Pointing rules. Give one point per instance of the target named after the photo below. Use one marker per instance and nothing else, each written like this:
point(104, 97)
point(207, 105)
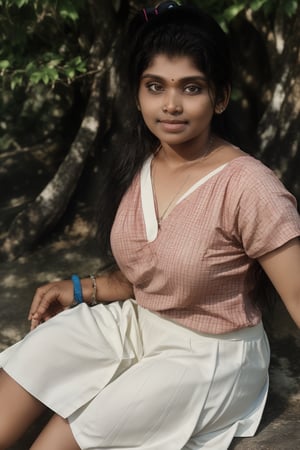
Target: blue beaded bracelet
point(78, 297)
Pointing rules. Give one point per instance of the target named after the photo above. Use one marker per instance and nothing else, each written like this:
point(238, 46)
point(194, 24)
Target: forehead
point(172, 67)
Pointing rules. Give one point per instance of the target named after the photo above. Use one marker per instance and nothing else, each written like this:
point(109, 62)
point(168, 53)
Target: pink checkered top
point(196, 268)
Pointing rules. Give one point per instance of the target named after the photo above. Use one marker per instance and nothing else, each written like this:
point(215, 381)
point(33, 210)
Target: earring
point(220, 109)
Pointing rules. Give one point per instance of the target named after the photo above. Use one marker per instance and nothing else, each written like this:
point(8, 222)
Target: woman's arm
point(111, 286)
point(282, 266)
point(52, 298)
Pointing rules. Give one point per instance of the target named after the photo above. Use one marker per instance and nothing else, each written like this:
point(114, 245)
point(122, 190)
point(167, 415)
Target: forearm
point(283, 267)
point(110, 286)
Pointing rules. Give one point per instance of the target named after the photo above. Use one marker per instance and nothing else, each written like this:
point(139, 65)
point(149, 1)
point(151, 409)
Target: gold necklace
point(180, 189)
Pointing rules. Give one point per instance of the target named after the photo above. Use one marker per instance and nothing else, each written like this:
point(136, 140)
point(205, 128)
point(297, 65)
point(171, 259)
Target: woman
point(173, 354)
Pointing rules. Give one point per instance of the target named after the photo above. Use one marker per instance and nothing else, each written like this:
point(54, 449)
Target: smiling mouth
point(173, 122)
point(172, 126)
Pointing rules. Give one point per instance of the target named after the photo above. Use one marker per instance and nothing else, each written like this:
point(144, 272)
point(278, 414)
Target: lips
point(172, 125)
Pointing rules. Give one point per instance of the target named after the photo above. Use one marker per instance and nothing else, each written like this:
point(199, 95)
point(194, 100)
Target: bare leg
point(56, 435)
point(18, 410)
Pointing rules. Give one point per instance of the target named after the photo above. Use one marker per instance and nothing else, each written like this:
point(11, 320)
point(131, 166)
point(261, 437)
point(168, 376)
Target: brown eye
point(154, 87)
point(193, 89)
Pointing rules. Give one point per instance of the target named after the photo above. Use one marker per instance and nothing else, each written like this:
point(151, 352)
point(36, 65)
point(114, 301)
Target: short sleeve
point(266, 213)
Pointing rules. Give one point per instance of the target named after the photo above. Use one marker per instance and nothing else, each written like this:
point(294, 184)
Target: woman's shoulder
point(244, 167)
point(245, 174)
point(234, 157)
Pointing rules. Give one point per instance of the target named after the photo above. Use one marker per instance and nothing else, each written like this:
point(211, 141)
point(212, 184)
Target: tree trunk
point(45, 211)
point(278, 130)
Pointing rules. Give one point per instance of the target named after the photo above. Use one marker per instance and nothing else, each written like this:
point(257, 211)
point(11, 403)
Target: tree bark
point(278, 129)
point(267, 71)
point(45, 211)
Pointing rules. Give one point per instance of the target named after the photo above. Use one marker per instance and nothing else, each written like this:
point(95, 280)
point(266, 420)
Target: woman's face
point(175, 101)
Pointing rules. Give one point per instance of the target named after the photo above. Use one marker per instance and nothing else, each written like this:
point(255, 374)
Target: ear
point(222, 101)
point(137, 104)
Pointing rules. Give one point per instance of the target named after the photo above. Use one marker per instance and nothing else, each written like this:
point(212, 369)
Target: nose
point(172, 103)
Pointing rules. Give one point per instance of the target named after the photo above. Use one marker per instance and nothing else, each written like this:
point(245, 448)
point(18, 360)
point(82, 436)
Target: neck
point(183, 154)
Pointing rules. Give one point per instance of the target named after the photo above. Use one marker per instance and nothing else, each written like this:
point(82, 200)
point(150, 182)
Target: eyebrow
point(185, 79)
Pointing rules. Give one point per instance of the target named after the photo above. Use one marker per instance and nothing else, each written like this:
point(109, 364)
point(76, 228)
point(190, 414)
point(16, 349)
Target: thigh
point(154, 404)
point(56, 435)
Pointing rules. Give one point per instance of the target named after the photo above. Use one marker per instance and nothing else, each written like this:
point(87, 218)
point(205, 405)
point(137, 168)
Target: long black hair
point(171, 30)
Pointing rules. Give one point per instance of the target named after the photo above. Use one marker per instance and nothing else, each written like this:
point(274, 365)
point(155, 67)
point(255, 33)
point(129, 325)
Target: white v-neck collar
point(148, 204)
point(147, 196)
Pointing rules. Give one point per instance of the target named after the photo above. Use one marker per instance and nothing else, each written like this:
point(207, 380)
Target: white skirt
point(126, 378)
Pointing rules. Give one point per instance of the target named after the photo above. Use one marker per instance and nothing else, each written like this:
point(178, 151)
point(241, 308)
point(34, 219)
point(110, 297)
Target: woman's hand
point(49, 300)
point(55, 297)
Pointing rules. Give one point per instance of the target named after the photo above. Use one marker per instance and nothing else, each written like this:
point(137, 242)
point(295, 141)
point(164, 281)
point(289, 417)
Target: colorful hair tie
point(148, 13)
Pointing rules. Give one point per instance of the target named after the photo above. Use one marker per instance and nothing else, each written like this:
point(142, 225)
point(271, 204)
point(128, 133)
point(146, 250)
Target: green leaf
point(30, 67)
point(258, 4)
point(20, 3)
point(4, 64)
point(46, 75)
point(67, 10)
point(52, 74)
point(290, 7)
point(17, 80)
point(35, 77)
point(81, 69)
point(54, 62)
point(232, 11)
point(70, 72)
point(79, 64)
point(45, 78)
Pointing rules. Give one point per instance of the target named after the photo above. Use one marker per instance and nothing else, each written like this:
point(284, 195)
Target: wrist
point(77, 290)
point(89, 290)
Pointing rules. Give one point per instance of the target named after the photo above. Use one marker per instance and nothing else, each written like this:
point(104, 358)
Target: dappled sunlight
point(45, 277)
point(17, 201)
point(72, 256)
point(14, 281)
point(9, 335)
point(8, 163)
point(79, 228)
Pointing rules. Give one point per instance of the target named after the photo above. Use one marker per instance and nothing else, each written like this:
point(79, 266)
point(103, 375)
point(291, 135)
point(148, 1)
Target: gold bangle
point(94, 293)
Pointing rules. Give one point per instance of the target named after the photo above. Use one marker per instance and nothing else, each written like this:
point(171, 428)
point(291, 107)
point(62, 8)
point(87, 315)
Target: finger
point(36, 320)
point(34, 323)
point(44, 305)
point(39, 294)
